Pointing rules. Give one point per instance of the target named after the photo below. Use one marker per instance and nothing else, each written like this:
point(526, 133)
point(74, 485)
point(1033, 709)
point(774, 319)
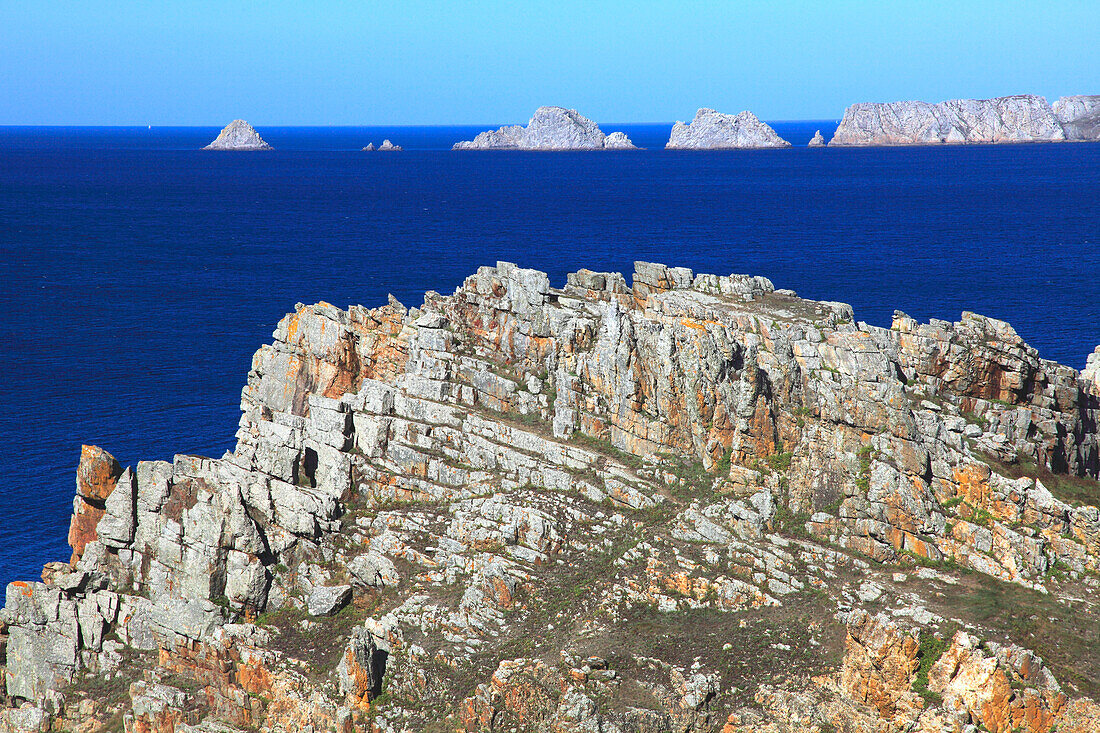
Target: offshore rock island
point(712, 130)
point(550, 128)
point(685, 503)
point(1016, 119)
point(238, 135)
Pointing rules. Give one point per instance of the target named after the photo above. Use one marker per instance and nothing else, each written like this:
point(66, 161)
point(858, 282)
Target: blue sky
point(482, 61)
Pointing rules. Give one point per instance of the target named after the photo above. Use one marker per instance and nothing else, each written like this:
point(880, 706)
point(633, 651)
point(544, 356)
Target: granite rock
point(1079, 116)
point(550, 128)
point(238, 135)
point(712, 130)
point(1016, 119)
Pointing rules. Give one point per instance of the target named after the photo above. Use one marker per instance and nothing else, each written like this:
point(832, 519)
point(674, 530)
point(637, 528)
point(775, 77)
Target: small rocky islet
point(238, 135)
point(1015, 119)
point(550, 128)
point(687, 502)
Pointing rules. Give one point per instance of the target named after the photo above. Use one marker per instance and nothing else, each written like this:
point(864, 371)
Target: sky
point(130, 62)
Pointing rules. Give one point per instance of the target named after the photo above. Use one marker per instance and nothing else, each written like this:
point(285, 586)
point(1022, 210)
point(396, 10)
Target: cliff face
point(712, 130)
point(1022, 118)
point(238, 135)
point(551, 128)
point(1079, 116)
point(690, 503)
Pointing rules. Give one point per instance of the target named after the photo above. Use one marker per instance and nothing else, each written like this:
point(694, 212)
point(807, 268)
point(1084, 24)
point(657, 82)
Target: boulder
point(325, 600)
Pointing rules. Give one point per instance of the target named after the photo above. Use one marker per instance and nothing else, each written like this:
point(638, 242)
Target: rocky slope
point(238, 135)
point(1021, 118)
point(687, 503)
point(550, 128)
point(712, 130)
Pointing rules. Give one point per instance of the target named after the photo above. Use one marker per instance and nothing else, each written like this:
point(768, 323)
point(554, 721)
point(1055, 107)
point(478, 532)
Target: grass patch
point(931, 649)
point(1075, 490)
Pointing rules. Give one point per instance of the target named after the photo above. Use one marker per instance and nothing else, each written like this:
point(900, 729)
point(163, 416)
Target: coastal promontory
point(712, 130)
point(1016, 119)
point(665, 501)
point(550, 128)
point(238, 135)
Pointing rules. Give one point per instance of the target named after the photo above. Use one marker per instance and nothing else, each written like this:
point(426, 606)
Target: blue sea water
point(140, 273)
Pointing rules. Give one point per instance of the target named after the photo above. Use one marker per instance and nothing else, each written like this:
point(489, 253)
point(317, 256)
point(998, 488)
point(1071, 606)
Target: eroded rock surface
point(687, 502)
point(550, 128)
point(238, 135)
point(712, 130)
point(1016, 119)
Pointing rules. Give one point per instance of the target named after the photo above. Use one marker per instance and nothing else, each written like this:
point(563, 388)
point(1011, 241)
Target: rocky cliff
point(712, 130)
point(1079, 116)
point(550, 128)
point(238, 135)
point(1021, 118)
point(685, 503)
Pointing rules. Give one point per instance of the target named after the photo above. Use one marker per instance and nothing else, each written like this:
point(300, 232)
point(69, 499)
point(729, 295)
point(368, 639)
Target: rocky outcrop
point(550, 128)
point(1017, 119)
point(238, 135)
point(386, 146)
point(1079, 116)
point(681, 502)
point(712, 130)
point(817, 141)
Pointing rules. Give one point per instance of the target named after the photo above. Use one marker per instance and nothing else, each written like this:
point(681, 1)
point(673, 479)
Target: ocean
point(141, 273)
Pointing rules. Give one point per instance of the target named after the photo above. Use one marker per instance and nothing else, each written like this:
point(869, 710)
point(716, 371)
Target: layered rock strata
point(550, 128)
point(1021, 118)
point(238, 135)
point(712, 130)
point(691, 502)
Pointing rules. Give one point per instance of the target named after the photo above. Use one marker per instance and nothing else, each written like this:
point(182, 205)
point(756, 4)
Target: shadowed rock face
point(238, 135)
point(1022, 118)
point(1080, 116)
point(551, 128)
point(687, 502)
point(712, 130)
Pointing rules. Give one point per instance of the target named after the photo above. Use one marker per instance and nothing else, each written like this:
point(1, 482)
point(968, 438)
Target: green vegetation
point(1075, 490)
point(863, 479)
point(931, 649)
point(604, 446)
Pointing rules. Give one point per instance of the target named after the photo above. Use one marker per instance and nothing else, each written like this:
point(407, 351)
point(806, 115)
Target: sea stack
point(712, 130)
point(1017, 119)
point(550, 128)
point(817, 141)
point(238, 135)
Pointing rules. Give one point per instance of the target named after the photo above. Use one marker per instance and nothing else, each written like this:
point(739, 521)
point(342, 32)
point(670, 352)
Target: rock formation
point(712, 130)
point(238, 135)
point(1079, 116)
point(385, 146)
point(551, 128)
point(690, 503)
point(817, 141)
point(1021, 118)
